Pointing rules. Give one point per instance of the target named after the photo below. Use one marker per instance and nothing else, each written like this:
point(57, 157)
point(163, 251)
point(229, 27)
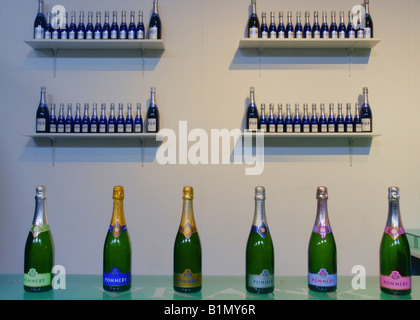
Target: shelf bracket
point(351, 140)
point(350, 56)
point(55, 52)
point(53, 147)
point(142, 54)
point(141, 152)
point(260, 51)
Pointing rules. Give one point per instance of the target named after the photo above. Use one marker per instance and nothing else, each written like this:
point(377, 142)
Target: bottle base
point(322, 289)
point(259, 290)
point(117, 288)
point(396, 292)
point(187, 290)
point(37, 289)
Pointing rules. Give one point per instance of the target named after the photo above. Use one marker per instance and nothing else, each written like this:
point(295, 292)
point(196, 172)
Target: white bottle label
point(140, 34)
point(80, 35)
point(97, 35)
point(131, 34)
point(94, 128)
point(153, 33)
point(151, 125)
point(317, 34)
point(273, 34)
point(89, 35)
point(342, 35)
point(366, 125)
point(120, 128)
point(68, 128)
point(123, 34)
point(352, 34)
point(72, 35)
point(314, 128)
point(368, 34)
point(53, 128)
point(64, 34)
point(41, 124)
point(105, 34)
point(60, 128)
point(334, 34)
point(306, 128)
point(128, 128)
point(358, 127)
point(253, 33)
point(85, 128)
point(272, 128)
point(299, 34)
point(47, 34)
point(340, 128)
point(113, 34)
point(137, 128)
point(264, 34)
point(324, 128)
point(263, 280)
point(39, 32)
point(76, 128)
point(111, 128)
point(253, 124)
point(102, 128)
point(289, 128)
point(297, 128)
point(349, 128)
point(281, 34)
point(331, 128)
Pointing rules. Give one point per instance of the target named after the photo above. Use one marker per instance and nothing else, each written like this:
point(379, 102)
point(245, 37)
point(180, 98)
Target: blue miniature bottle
point(138, 122)
point(322, 123)
point(94, 121)
point(61, 121)
point(342, 30)
point(272, 30)
point(316, 29)
point(340, 126)
point(56, 28)
point(106, 29)
point(314, 119)
point(112, 121)
point(64, 31)
point(298, 27)
point(114, 31)
point(132, 30)
point(120, 119)
point(288, 123)
point(252, 117)
point(89, 27)
point(129, 123)
point(281, 30)
point(280, 120)
point(123, 27)
point(77, 122)
point(153, 113)
point(98, 27)
point(73, 27)
point(264, 27)
point(357, 122)
point(306, 124)
point(42, 114)
point(333, 27)
point(263, 119)
point(48, 28)
point(140, 26)
point(103, 121)
point(331, 119)
point(271, 126)
point(348, 122)
point(324, 27)
point(297, 122)
point(53, 119)
point(360, 32)
point(307, 29)
point(86, 119)
point(350, 31)
point(40, 22)
point(81, 30)
point(289, 27)
point(68, 128)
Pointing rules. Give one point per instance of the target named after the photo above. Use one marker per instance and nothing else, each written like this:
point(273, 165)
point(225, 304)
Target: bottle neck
point(394, 215)
point(152, 98)
point(187, 225)
point(322, 214)
point(155, 7)
point(259, 213)
point(365, 97)
point(254, 8)
point(42, 99)
point(40, 216)
point(41, 7)
point(118, 213)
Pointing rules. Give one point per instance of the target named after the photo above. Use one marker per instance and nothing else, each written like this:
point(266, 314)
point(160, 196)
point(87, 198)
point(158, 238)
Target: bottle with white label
point(129, 119)
point(48, 28)
point(132, 26)
point(357, 122)
point(155, 25)
point(40, 22)
point(298, 27)
point(94, 121)
point(253, 22)
point(42, 114)
point(271, 126)
point(272, 30)
point(368, 21)
point(289, 27)
point(81, 30)
point(153, 113)
point(322, 251)
point(395, 258)
point(252, 117)
point(339, 125)
point(366, 112)
point(307, 29)
point(98, 27)
point(314, 119)
point(342, 26)
point(331, 119)
point(112, 121)
point(86, 119)
point(316, 29)
point(360, 32)
point(140, 26)
point(106, 29)
point(114, 30)
point(68, 127)
point(264, 27)
point(281, 30)
point(61, 121)
point(77, 123)
point(324, 27)
point(351, 31)
point(123, 27)
point(64, 32)
point(53, 119)
point(263, 119)
point(103, 121)
point(120, 119)
point(138, 122)
point(348, 122)
point(306, 126)
point(297, 122)
point(322, 124)
point(280, 120)
point(259, 270)
point(333, 26)
point(288, 123)
point(73, 27)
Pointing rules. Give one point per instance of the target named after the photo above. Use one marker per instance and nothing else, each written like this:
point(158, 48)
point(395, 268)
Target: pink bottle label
point(394, 232)
point(395, 281)
point(322, 279)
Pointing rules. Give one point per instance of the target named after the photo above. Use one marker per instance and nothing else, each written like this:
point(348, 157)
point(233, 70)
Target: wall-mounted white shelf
point(94, 139)
point(310, 135)
point(59, 44)
point(349, 44)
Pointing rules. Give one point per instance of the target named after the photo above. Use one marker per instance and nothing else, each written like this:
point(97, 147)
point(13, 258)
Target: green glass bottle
point(259, 273)
point(395, 258)
point(322, 252)
point(39, 248)
point(187, 249)
point(117, 248)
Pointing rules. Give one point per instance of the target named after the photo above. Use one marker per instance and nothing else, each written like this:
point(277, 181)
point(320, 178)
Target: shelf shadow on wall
point(90, 150)
point(292, 59)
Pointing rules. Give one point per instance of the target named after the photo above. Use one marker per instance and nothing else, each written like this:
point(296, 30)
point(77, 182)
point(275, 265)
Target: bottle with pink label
point(322, 251)
point(395, 259)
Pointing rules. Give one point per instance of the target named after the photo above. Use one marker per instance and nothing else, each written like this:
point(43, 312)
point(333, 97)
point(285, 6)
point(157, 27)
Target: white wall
point(204, 79)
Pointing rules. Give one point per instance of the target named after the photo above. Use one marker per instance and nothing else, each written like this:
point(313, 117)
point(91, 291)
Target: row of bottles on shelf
point(48, 122)
point(56, 25)
point(306, 30)
point(394, 257)
point(362, 121)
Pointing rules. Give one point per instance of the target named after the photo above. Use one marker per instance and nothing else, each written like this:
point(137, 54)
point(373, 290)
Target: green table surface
point(150, 287)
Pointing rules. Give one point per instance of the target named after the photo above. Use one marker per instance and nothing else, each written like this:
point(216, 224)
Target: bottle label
point(72, 35)
point(102, 128)
point(322, 279)
point(366, 125)
point(151, 125)
point(253, 32)
point(262, 229)
point(261, 281)
point(394, 232)
point(41, 124)
point(264, 34)
point(117, 229)
point(340, 128)
point(153, 33)
point(105, 34)
point(306, 128)
point(140, 34)
point(322, 230)
point(314, 128)
point(35, 279)
point(37, 230)
point(76, 128)
point(272, 128)
point(114, 34)
point(97, 35)
point(131, 34)
point(187, 230)
point(93, 128)
point(253, 124)
point(317, 34)
point(39, 32)
point(60, 128)
point(123, 34)
point(120, 128)
point(289, 128)
point(368, 33)
point(395, 281)
point(116, 278)
point(187, 279)
point(53, 128)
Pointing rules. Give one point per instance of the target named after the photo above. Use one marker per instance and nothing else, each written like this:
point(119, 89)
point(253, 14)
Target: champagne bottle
point(39, 248)
point(263, 119)
point(366, 112)
point(40, 22)
point(322, 252)
point(187, 249)
point(252, 117)
point(395, 274)
point(117, 248)
point(264, 27)
point(259, 273)
point(42, 114)
point(368, 21)
point(155, 25)
point(152, 113)
point(53, 119)
point(253, 22)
